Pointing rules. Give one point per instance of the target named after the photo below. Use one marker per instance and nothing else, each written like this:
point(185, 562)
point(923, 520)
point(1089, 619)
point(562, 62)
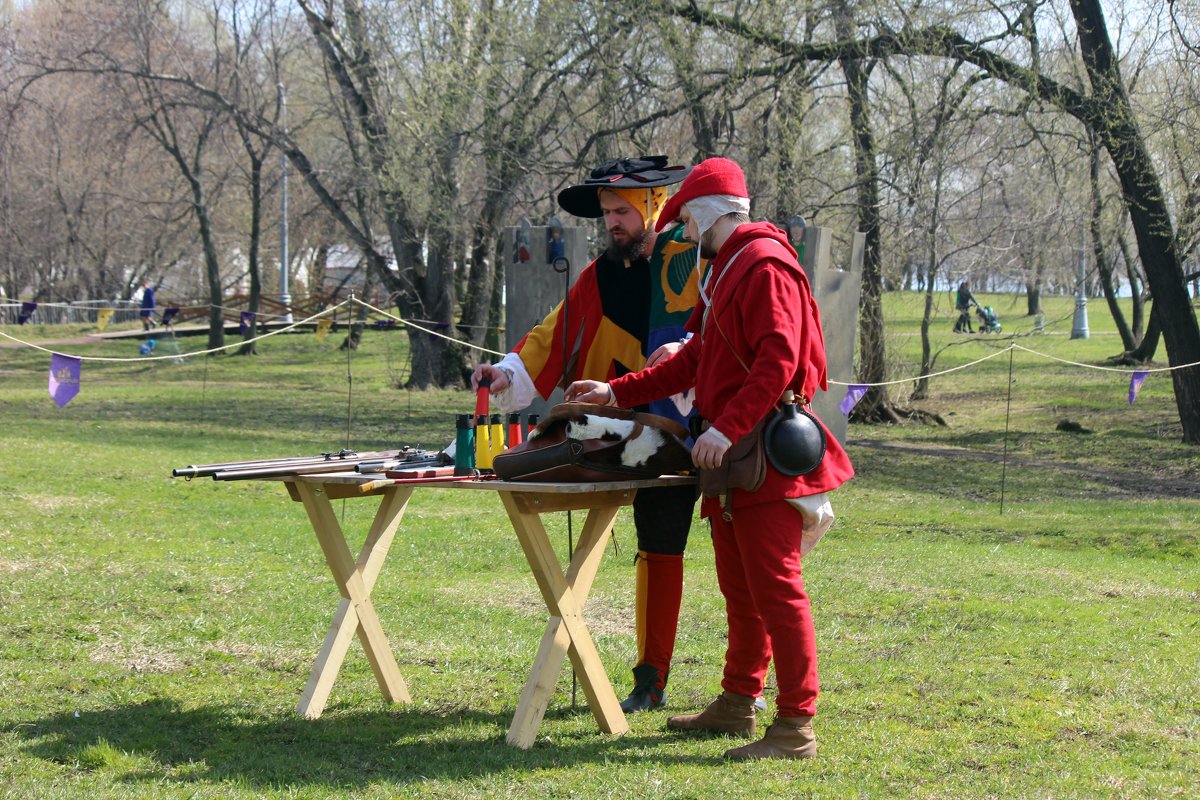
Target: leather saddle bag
point(582, 442)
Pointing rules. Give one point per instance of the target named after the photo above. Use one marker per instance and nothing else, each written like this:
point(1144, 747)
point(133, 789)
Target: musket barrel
point(344, 459)
point(204, 470)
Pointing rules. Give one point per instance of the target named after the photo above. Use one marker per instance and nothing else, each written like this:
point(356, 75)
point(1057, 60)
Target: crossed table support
point(565, 594)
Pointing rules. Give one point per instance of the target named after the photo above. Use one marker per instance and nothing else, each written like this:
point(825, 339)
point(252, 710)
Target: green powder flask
point(464, 445)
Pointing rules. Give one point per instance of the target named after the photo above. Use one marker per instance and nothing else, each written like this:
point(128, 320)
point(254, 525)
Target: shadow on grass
point(217, 743)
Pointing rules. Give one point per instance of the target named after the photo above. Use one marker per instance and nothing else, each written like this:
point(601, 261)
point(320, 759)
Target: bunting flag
point(169, 314)
point(245, 323)
point(1135, 384)
point(64, 378)
point(103, 317)
point(27, 310)
point(853, 394)
point(323, 326)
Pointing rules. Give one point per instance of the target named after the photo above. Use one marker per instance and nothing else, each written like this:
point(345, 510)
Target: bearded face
point(708, 247)
point(629, 249)
point(627, 233)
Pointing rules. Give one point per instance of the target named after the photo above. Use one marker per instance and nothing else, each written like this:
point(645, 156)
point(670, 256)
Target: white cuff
point(520, 391)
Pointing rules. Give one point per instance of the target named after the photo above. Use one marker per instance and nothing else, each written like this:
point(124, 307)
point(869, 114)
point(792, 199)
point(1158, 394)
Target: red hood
point(815, 349)
point(754, 230)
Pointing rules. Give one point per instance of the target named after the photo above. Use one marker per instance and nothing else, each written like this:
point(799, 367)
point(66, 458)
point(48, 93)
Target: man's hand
point(709, 450)
point(663, 352)
point(589, 392)
point(498, 378)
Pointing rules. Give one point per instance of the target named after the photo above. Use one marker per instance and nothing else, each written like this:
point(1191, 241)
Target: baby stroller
point(988, 321)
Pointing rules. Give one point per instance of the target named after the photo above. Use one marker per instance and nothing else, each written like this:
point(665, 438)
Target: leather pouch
point(744, 466)
point(581, 442)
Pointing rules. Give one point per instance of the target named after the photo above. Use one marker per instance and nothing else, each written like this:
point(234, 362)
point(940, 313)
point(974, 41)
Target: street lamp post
point(1079, 326)
point(284, 297)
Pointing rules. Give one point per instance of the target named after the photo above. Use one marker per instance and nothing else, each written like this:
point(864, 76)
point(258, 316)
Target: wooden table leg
point(566, 633)
point(355, 580)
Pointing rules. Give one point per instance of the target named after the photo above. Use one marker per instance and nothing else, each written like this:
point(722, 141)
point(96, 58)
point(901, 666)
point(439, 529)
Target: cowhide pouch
point(581, 442)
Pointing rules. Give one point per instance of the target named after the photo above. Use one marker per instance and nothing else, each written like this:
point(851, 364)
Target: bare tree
point(1106, 109)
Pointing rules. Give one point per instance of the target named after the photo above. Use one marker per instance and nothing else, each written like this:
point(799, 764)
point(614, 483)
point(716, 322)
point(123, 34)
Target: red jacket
point(763, 306)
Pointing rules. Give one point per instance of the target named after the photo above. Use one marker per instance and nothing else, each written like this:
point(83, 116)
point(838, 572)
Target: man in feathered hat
point(627, 309)
point(758, 334)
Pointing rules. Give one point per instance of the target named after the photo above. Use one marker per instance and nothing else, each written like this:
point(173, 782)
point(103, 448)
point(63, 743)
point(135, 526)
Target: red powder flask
point(515, 435)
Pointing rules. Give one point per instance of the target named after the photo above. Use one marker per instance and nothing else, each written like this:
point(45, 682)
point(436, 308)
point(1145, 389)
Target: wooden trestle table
point(564, 593)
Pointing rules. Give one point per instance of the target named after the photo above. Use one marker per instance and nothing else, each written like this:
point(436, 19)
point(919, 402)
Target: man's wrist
point(720, 436)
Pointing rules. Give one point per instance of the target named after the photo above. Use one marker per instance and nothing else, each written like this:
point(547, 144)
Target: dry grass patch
point(139, 657)
point(49, 503)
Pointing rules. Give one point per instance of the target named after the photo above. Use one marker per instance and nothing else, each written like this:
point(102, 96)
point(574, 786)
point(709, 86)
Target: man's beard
point(706, 245)
point(632, 250)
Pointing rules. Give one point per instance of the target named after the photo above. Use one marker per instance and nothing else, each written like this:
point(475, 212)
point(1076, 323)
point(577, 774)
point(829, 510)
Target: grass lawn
point(1003, 610)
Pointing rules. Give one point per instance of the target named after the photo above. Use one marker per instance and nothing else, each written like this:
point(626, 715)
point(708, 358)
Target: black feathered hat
point(646, 172)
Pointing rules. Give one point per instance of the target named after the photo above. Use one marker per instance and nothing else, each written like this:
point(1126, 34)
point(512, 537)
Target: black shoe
point(646, 693)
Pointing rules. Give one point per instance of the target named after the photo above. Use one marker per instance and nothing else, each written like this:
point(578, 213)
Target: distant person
point(147, 312)
point(962, 304)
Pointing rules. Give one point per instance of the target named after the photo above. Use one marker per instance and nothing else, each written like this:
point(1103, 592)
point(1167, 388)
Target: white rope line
point(1015, 346)
point(365, 304)
point(930, 375)
point(353, 299)
point(181, 355)
point(1123, 370)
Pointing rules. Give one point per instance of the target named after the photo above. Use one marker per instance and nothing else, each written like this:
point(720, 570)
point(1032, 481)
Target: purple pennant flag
point(853, 395)
point(27, 310)
point(64, 378)
point(247, 321)
point(1135, 384)
point(169, 314)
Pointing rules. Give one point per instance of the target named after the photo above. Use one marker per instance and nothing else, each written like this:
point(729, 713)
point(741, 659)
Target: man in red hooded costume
point(759, 335)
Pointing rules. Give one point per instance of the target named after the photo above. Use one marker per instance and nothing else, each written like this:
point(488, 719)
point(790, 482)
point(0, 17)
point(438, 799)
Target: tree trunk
point(248, 349)
point(494, 340)
point(872, 366)
point(1148, 210)
point(1103, 265)
point(1033, 298)
point(921, 391)
point(1135, 287)
point(359, 315)
point(1144, 352)
point(478, 290)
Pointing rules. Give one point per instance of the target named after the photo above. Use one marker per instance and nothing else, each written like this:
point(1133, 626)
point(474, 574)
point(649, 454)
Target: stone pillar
point(836, 290)
point(532, 289)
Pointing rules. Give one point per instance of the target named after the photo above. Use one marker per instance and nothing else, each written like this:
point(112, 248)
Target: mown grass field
point(155, 633)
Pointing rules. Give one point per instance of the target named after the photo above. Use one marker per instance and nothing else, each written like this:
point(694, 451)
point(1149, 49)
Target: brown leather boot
point(729, 713)
point(786, 737)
